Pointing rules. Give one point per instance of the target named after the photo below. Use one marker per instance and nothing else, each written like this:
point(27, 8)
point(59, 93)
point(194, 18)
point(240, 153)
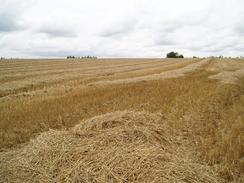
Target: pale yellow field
point(27, 76)
point(122, 120)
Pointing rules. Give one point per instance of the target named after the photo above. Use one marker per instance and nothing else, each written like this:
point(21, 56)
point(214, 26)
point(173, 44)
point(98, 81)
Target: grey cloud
point(11, 12)
point(240, 49)
point(131, 29)
point(59, 52)
point(164, 41)
point(174, 31)
point(58, 32)
point(120, 28)
point(8, 21)
point(239, 29)
point(186, 20)
point(220, 48)
point(213, 49)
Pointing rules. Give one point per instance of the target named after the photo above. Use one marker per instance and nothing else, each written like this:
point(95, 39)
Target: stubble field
point(122, 120)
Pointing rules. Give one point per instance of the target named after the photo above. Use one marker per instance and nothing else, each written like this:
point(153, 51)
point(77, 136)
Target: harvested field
point(20, 79)
point(124, 120)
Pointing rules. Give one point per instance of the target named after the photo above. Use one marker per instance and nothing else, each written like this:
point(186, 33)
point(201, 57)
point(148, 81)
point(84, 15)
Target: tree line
point(82, 57)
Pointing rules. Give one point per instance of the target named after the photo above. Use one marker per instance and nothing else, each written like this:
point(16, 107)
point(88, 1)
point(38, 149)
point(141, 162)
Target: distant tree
point(174, 55)
point(180, 56)
point(70, 57)
point(81, 57)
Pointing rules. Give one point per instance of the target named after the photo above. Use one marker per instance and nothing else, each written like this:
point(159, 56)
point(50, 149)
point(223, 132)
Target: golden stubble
point(200, 114)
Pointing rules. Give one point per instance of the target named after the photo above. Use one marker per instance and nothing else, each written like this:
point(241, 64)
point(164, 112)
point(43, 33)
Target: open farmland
point(122, 120)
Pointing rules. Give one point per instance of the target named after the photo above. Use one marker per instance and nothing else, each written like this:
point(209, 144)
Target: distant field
point(150, 114)
point(26, 76)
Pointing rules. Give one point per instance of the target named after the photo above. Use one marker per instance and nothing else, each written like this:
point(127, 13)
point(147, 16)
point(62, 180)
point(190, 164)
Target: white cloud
point(122, 28)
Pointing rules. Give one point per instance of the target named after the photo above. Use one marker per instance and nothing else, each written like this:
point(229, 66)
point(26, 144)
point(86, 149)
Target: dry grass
point(116, 147)
point(228, 72)
point(229, 76)
point(201, 118)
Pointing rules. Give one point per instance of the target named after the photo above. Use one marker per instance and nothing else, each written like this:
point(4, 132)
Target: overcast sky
point(121, 28)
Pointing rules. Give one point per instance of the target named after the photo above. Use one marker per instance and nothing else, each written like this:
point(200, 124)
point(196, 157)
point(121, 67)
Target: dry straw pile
point(115, 147)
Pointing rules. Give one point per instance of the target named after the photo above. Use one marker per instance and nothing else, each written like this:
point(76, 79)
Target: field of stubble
point(122, 120)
